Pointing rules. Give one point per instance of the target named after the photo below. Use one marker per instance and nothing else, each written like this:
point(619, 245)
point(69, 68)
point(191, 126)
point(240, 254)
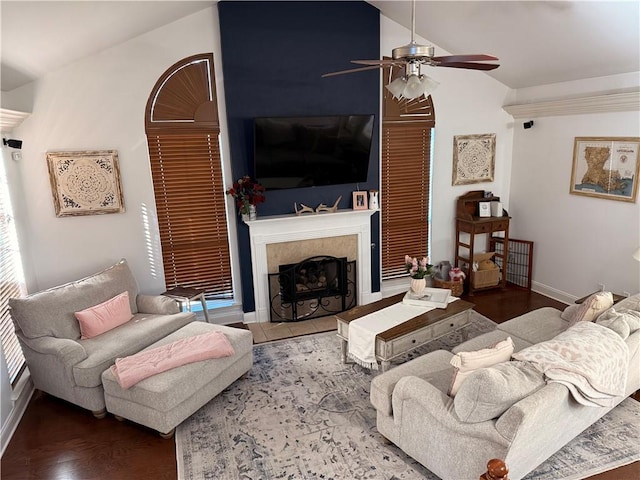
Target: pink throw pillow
point(105, 316)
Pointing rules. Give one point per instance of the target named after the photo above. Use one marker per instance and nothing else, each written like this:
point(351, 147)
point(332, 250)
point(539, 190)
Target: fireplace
point(276, 236)
point(315, 287)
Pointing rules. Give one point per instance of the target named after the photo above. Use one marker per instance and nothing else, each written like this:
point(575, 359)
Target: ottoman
point(165, 400)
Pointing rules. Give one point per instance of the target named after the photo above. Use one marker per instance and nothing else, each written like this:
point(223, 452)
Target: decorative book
point(429, 297)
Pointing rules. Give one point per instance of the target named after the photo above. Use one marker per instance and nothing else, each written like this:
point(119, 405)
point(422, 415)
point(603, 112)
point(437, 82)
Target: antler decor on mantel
point(320, 208)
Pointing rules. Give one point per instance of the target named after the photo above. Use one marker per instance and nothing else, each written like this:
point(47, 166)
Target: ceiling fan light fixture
point(397, 87)
point(413, 88)
point(428, 85)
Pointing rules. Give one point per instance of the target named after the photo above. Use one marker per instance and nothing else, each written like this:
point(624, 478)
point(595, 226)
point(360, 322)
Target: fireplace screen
point(315, 287)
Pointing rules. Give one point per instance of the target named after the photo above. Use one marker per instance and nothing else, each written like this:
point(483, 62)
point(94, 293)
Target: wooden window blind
point(11, 280)
point(406, 178)
point(189, 193)
point(184, 151)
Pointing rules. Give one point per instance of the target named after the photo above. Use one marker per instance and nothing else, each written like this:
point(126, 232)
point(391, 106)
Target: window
point(183, 138)
point(11, 279)
point(406, 178)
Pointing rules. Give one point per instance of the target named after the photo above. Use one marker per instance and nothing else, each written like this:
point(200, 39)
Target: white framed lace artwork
point(473, 158)
point(85, 183)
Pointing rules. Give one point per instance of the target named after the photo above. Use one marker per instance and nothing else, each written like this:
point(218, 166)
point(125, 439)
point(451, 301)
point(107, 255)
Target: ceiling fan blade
point(379, 62)
point(464, 58)
point(352, 70)
point(469, 65)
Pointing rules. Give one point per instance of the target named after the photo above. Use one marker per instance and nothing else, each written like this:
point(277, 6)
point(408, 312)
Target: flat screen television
point(297, 152)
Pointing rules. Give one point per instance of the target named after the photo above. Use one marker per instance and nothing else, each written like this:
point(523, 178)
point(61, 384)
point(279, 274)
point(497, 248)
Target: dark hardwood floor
point(56, 440)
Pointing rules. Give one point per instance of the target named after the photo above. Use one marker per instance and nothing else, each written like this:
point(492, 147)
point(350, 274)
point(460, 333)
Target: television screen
point(296, 152)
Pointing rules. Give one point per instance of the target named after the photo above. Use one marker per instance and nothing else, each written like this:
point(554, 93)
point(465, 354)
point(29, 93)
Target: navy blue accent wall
point(273, 56)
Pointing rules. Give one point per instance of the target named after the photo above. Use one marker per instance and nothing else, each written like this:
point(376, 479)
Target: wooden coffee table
point(409, 335)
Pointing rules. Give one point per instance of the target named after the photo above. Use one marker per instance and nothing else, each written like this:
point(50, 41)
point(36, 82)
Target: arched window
point(406, 177)
point(181, 121)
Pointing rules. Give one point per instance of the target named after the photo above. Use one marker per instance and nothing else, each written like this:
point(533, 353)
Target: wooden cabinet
point(469, 224)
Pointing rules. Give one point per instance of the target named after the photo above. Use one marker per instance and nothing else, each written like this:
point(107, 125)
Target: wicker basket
point(457, 288)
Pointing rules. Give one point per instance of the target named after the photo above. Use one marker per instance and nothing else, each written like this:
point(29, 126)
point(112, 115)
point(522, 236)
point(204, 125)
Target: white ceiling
point(41, 36)
point(538, 42)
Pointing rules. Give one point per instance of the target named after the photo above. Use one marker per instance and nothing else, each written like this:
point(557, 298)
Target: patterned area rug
point(301, 414)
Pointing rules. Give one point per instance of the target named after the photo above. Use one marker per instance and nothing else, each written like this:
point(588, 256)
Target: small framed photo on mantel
point(360, 201)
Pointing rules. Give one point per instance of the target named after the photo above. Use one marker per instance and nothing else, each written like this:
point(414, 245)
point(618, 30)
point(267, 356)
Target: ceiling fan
point(413, 57)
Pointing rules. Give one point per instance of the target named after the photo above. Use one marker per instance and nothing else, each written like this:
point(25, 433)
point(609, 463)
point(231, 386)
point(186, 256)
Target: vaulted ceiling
point(538, 42)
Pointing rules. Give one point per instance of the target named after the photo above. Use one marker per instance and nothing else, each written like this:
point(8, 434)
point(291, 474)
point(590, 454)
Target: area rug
point(302, 414)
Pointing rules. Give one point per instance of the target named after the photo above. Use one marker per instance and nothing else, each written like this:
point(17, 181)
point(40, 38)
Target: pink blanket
point(132, 369)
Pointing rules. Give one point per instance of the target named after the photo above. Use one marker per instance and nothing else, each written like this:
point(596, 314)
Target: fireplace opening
point(315, 287)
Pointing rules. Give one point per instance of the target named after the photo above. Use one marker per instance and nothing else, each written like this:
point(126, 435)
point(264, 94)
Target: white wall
point(579, 241)
point(466, 102)
point(94, 104)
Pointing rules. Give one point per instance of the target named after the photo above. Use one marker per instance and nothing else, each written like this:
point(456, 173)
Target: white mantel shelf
point(309, 218)
point(289, 228)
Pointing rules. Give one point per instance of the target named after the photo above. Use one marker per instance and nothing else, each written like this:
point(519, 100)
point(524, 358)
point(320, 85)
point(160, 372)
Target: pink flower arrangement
point(418, 268)
point(246, 192)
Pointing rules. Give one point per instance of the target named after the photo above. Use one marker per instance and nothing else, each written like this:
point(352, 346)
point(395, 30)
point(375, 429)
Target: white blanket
point(363, 331)
point(589, 359)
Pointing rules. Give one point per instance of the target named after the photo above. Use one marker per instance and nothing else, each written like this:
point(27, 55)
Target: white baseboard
point(225, 315)
point(554, 293)
point(21, 395)
point(250, 317)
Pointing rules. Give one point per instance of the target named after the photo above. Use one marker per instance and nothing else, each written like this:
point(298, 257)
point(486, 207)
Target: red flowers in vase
point(247, 192)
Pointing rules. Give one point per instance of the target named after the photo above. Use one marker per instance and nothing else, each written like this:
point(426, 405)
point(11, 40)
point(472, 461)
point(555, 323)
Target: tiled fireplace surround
point(285, 239)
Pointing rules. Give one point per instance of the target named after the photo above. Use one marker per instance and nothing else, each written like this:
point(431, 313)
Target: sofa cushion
point(465, 363)
point(138, 333)
point(489, 392)
point(588, 310)
point(632, 303)
point(434, 367)
point(51, 312)
point(104, 316)
point(536, 326)
point(623, 321)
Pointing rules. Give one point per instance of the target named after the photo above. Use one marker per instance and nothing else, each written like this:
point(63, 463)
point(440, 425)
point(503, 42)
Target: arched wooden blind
point(182, 128)
point(406, 172)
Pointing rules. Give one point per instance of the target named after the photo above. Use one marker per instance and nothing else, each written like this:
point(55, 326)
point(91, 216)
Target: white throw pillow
point(465, 363)
point(588, 310)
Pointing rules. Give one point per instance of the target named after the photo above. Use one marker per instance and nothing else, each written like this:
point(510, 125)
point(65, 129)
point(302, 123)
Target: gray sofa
point(64, 365)
point(415, 412)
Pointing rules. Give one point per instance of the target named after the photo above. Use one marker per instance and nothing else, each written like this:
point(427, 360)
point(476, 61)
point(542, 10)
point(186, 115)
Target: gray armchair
point(66, 366)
